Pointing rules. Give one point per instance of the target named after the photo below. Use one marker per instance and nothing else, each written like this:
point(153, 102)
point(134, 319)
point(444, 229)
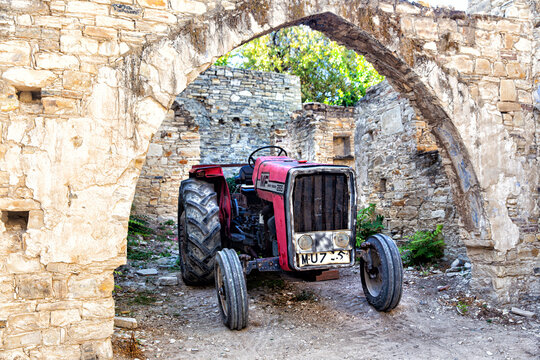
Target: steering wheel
point(251, 159)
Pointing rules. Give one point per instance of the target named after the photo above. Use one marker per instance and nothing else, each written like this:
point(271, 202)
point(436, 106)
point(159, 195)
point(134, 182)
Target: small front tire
point(231, 289)
point(382, 275)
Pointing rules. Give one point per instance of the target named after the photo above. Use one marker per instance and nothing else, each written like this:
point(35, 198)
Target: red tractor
point(288, 215)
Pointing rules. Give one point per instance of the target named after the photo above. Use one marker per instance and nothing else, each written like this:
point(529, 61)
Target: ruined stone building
point(223, 116)
point(227, 113)
point(84, 86)
point(399, 168)
point(397, 161)
point(322, 133)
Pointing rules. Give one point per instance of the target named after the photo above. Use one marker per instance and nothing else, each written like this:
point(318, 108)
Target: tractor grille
point(321, 202)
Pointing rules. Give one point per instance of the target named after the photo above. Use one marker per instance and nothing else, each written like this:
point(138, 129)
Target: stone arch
point(380, 37)
point(417, 49)
point(406, 81)
point(401, 40)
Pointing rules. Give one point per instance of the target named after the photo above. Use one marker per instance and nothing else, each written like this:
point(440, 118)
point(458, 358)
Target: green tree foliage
point(329, 73)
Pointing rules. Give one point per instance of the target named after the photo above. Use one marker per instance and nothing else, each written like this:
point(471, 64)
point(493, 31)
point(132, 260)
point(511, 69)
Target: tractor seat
point(245, 176)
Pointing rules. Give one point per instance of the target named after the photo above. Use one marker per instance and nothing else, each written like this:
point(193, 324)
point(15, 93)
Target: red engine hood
point(269, 177)
point(277, 167)
point(270, 174)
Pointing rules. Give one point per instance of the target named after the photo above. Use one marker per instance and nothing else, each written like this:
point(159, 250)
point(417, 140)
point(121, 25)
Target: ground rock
point(147, 272)
point(168, 281)
point(125, 322)
point(522, 312)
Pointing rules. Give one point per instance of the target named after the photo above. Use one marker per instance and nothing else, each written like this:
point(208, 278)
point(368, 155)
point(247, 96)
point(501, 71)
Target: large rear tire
point(231, 290)
point(383, 280)
point(199, 231)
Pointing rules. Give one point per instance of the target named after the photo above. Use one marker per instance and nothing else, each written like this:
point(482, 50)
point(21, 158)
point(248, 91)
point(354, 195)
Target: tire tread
point(391, 290)
point(236, 317)
point(201, 239)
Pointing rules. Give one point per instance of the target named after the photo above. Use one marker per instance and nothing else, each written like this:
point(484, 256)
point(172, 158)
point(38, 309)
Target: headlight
point(305, 242)
point(341, 240)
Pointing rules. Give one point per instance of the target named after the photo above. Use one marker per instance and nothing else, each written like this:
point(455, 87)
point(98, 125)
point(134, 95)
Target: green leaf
point(137, 225)
point(368, 223)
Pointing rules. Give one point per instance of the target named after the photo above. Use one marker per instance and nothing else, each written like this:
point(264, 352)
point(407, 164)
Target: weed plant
point(423, 247)
point(368, 223)
point(139, 226)
point(136, 254)
point(233, 187)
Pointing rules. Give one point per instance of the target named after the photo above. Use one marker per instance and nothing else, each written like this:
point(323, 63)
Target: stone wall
point(398, 164)
point(220, 118)
point(174, 149)
point(495, 7)
point(399, 151)
point(399, 168)
point(533, 285)
point(322, 133)
point(506, 8)
point(241, 110)
point(525, 255)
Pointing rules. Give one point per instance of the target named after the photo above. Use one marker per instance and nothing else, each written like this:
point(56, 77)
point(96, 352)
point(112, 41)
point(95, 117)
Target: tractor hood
point(270, 173)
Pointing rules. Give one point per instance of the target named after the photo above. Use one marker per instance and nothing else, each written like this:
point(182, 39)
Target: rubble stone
point(508, 90)
point(168, 281)
point(28, 79)
point(522, 312)
point(65, 317)
point(15, 53)
point(147, 272)
point(125, 322)
point(52, 61)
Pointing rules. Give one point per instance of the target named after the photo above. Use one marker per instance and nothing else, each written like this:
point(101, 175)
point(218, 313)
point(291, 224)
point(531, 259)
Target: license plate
point(325, 258)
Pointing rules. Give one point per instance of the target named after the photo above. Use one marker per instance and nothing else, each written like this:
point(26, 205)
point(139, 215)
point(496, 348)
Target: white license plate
point(325, 258)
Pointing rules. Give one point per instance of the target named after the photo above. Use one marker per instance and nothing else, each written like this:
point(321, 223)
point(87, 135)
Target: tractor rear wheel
point(231, 290)
point(199, 231)
point(381, 271)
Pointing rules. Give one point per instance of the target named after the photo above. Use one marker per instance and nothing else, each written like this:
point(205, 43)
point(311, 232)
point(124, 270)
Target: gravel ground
point(290, 318)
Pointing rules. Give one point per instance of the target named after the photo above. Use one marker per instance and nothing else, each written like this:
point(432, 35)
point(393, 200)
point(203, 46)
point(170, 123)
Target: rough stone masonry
point(399, 168)
point(321, 133)
point(220, 118)
point(85, 85)
point(235, 111)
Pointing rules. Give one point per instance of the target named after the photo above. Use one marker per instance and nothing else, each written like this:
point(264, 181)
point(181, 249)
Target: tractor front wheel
point(231, 290)
point(199, 231)
point(381, 271)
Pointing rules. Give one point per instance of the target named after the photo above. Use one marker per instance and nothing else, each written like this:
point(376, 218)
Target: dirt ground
point(291, 318)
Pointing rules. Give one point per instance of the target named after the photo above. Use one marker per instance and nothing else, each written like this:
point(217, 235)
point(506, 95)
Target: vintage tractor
point(288, 215)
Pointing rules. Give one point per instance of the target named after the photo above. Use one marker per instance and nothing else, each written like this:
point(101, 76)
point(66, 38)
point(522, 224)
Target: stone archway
point(403, 49)
point(106, 75)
